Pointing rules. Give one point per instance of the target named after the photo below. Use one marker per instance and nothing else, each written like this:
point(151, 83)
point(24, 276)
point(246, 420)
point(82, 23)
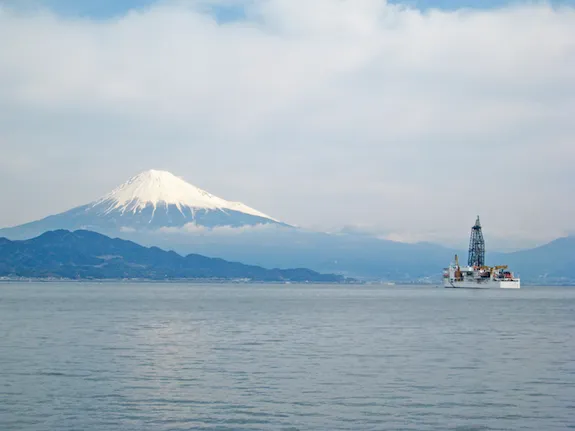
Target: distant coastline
point(51, 280)
point(48, 280)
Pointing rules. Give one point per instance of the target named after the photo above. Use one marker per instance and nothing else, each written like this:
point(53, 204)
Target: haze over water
point(240, 357)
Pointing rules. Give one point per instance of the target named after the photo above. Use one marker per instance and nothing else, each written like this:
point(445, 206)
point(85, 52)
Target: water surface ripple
point(224, 357)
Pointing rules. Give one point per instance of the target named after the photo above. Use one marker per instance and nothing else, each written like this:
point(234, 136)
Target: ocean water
point(285, 357)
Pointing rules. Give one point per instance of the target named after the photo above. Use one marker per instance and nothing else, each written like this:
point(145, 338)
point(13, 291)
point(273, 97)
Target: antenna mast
point(476, 255)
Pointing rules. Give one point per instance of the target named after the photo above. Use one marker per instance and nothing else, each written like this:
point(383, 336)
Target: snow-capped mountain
point(148, 201)
point(160, 190)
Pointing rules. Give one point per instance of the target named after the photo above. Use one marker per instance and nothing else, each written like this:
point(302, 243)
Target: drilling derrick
point(476, 246)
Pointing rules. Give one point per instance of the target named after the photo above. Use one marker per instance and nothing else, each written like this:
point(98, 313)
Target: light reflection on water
point(167, 357)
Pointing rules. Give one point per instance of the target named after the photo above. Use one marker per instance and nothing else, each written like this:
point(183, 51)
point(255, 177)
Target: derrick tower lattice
point(476, 256)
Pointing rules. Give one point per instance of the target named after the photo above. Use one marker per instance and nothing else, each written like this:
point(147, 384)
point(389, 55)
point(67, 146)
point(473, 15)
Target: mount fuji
point(149, 201)
point(157, 208)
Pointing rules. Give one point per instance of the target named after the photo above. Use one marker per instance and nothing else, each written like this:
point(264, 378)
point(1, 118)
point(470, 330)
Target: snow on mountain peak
point(155, 187)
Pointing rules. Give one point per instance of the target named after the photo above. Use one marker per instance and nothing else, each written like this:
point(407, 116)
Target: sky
point(401, 119)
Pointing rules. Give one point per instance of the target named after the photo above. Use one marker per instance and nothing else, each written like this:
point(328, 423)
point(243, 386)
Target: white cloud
point(126, 229)
point(194, 229)
point(316, 112)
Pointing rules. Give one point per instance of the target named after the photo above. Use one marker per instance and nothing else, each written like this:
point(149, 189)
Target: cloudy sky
point(405, 119)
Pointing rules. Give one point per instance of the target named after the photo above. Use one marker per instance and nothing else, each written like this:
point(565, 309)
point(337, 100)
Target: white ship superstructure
point(476, 275)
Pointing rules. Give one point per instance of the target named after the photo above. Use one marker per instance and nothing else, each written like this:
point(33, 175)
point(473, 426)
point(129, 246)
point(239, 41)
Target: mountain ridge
point(85, 254)
point(150, 200)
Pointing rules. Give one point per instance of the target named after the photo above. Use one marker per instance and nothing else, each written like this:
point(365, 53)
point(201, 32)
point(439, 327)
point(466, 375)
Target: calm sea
point(224, 357)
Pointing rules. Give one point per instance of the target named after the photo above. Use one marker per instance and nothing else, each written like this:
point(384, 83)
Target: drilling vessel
point(476, 275)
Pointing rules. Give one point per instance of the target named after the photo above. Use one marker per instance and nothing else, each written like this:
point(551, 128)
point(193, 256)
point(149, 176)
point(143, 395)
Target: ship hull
point(487, 284)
